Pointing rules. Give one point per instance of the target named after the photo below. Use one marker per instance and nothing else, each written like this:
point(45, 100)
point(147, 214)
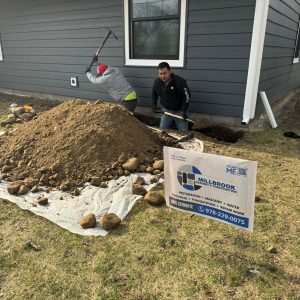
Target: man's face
point(164, 74)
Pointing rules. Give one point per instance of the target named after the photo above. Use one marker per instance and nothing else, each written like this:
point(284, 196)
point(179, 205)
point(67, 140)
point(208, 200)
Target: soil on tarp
point(75, 142)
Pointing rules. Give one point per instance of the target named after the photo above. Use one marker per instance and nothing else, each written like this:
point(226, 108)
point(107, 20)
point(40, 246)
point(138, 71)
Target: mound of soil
point(75, 142)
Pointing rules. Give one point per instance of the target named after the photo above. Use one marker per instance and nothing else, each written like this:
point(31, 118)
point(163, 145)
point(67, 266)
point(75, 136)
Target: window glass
point(154, 8)
point(156, 39)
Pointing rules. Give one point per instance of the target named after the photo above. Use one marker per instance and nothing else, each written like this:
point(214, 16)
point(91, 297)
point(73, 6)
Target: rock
point(96, 181)
point(42, 200)
point(17, 111)
point(1, 163)
point(23, 190)
point(272, 249)
point(110, 221)
point(149, 170)
point(6, 168)
point(63, 187)
point(158, 165)
point(131, 164)
point(162, 175)
point(76, 192)
point(156, 172)
point(143, 168)
point(120, 172)
point(88, 221)
point(26, 117)
point(121, 158)
point(155, 198)
point(3, 124)
point(103, 185)
point(126, 173)
point(35, 189)
point(153, 179)
point(13, 187)
point(139, 180)
point(44, 178)
point(138, 189)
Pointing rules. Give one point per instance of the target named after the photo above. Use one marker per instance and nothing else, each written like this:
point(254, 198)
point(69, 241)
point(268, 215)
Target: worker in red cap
point(116, 85)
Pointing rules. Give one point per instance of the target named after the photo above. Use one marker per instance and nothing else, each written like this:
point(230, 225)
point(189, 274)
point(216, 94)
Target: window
point(1, 56)
point(154, 32)
point(297, 47)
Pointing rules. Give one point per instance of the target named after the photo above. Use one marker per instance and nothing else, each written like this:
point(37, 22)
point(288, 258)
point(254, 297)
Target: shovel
point(178, 117)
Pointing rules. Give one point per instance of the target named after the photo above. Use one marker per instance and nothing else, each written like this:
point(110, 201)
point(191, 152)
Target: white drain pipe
point(268, 108)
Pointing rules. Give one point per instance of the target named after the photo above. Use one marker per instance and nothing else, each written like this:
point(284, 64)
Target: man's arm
point(96, 79)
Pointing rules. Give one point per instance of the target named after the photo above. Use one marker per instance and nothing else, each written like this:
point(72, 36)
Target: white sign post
point(213, 186)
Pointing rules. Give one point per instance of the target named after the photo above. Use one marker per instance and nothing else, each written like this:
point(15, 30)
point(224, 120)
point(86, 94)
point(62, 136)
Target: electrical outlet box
point(74, 81)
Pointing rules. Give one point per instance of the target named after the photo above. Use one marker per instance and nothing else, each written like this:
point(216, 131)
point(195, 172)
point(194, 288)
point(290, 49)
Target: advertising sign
point(213, 186)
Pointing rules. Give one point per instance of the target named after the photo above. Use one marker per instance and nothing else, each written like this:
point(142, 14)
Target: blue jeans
point(167, 122)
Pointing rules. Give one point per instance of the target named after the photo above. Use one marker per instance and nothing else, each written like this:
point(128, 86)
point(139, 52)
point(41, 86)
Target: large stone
point(139, 180)
point(42, 200)
point(23, 190)
point(88, 221)
point(154, 198)
point(26, 117)
point(17, 111)
point(131, 164)
point(138, 189)
point(96, 181)
point(13, 187)
point(110, 221)
point(158, 165)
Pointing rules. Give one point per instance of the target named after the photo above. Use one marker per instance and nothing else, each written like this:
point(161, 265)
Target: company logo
point(192, 179)
point(188, 177)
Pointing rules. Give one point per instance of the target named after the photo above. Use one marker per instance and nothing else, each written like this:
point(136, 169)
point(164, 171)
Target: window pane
point(156, 39)
point(154, 8)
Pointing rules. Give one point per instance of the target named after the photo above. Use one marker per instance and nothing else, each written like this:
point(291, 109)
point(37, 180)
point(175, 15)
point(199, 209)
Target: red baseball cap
point(101, 68)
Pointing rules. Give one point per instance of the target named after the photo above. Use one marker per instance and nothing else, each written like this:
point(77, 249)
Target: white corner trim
point(155, 62)
point(295, 60)
point(256, 53)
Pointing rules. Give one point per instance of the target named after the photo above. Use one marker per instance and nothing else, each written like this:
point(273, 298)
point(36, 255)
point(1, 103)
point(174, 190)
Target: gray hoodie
point(114, 82)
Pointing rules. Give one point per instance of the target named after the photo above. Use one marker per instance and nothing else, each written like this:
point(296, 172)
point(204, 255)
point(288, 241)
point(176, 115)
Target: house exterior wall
point(279, 75)
point(45, 43)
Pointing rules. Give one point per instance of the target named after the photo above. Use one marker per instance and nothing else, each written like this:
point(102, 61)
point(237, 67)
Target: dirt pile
point(77, 142)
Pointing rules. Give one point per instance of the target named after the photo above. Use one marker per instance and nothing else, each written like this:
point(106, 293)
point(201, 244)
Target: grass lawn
point(160, 253)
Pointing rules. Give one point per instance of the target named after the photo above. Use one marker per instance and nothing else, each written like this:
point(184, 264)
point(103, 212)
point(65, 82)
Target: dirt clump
point(77, 142)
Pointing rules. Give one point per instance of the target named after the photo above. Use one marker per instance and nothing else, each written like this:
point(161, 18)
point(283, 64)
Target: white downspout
point(256, 52)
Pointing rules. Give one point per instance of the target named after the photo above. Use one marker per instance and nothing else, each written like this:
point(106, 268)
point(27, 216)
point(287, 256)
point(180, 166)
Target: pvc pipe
point(268, 108)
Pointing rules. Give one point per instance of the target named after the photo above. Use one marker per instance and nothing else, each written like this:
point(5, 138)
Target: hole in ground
point(221, 133)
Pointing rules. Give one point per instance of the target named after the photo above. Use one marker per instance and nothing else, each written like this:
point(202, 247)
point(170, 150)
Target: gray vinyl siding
point(47, 42)
point(279, 75)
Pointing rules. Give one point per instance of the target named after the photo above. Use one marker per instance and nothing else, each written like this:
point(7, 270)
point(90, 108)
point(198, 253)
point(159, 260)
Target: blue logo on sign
point(188, 177)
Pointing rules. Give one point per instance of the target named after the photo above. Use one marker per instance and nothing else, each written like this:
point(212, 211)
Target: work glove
point(156, 109)
point(95, 58)
point(88, 70)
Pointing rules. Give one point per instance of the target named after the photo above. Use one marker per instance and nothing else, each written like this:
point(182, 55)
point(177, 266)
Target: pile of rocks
point(18, 115)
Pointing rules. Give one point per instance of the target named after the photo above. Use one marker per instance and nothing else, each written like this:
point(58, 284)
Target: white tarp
point(66, 213)
point(213, 186)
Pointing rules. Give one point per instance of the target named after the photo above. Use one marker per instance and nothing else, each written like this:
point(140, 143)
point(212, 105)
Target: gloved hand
point(95, 58)
point(156, 109)
point(88, 69)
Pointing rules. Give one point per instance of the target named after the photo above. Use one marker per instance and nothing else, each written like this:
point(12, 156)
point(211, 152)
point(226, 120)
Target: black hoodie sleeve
point(186, 96)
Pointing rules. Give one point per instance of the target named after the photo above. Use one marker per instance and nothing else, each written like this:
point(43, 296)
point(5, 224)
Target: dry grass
point(159, 253)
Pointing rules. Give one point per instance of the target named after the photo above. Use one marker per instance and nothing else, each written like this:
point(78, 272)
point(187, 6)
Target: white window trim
point(1, 55)
point(296, 59)
point(154, 62)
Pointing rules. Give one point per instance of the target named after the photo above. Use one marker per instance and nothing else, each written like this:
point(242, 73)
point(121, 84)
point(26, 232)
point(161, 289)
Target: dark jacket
point(175, 96)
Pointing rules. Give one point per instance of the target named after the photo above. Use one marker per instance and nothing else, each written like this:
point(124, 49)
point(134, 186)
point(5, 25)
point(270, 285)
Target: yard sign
point(213, 186)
